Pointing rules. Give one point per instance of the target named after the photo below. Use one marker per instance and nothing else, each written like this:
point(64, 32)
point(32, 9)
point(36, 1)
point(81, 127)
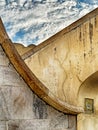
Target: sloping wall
point(66, 60)
point(21, 109)
point(22, 49)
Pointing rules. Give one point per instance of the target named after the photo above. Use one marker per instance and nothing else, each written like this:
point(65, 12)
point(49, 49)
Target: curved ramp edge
point(31, 80)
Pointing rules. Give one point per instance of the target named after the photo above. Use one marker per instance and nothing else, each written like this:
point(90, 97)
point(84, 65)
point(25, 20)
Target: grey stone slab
point(21, 109)
point(4, 61)
point(13, 125)
point(3, 125)
point(34, 124)
point(1, 48)
point(16, 103)
point(72, 122)
point(29, 125)
point(9, 76)
point(40, 108)
point(3, 58)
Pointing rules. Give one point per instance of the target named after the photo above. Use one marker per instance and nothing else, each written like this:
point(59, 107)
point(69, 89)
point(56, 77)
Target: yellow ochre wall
point(65, 61)
point(89, 89)
point(70, 58)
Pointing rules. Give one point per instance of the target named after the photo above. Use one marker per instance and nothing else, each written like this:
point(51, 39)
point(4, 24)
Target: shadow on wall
point(88, 94)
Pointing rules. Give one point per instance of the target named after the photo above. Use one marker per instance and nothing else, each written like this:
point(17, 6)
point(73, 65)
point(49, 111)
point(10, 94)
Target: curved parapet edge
point(32, 81)
point(61, 33)
point(93, 79)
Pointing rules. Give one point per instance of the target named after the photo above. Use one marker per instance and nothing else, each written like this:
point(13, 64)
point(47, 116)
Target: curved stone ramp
point(65, 60)
point(32, 81)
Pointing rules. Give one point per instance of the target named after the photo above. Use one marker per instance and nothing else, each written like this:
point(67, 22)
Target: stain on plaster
point(80, 35)
point(84, 44)
point(90, 35)
point(95, 20)
point(39, 108)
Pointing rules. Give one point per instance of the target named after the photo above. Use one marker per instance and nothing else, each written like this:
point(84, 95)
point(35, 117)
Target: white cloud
point(42, 20)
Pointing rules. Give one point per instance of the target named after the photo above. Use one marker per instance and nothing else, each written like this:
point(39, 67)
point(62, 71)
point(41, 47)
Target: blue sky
point(30, 22)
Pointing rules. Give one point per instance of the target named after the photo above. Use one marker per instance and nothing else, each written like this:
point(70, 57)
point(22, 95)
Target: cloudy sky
point(33, 21)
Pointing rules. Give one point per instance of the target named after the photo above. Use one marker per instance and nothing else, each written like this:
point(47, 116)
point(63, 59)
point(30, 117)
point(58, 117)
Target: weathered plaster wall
point(89, 89)
point(87, 122)
point(69, 58)
point(21, 109)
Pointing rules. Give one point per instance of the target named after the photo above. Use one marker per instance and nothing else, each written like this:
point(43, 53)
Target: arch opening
point(88, 94)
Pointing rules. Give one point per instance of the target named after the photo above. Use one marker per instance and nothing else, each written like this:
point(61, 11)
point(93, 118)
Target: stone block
point(13, 125)
point(28, 125)
point(3, 125)
point(35, 124)
point(16, 103)
point(10, 77)
point(3, 58)
point(21, 109)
